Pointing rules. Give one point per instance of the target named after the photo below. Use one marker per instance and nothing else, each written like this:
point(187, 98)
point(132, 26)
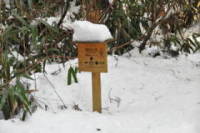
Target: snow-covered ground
point(140, 94)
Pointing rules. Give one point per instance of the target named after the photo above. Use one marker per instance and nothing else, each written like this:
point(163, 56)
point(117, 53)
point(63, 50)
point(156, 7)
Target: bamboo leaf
point(76, 70)
point(30, 3)
point(21, 94)
point(74, 75)
point(69, 76)
point(3, 100)
point(53, 50)
point(27, 76)
point(20, 19)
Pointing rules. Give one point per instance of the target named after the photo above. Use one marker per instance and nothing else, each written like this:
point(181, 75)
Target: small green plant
point(25, 49)
point(72, 74)
point(14, 99)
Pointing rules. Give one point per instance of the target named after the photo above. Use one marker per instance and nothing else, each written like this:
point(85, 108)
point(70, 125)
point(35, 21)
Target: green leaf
point(34, 34)
point(21, 94)
point(27, 76)
point(20, 19)
point(69, 76)
point(3, 100)
point(30, 3)
point(53, 50)
point(74, 75)
point(76, 70)
point(195, 36)
point(11, 96)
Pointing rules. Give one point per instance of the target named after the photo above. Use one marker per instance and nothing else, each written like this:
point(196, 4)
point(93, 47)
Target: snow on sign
point(92, 57)
point(85, 31)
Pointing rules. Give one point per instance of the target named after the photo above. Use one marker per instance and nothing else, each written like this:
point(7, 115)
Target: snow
point(140, 94)
point(85, 31)
point(18, 56)
point(52, 20)
point(7, 2)
point(142, 29)
point(193, 29)
point(110, 1)
point(73, 10)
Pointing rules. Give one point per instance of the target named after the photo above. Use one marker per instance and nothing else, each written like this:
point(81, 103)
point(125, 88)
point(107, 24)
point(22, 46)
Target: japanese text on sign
point(92, 57)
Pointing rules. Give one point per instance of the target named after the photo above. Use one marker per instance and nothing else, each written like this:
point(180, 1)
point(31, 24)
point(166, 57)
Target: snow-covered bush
point(150, 22)
point(27, 43)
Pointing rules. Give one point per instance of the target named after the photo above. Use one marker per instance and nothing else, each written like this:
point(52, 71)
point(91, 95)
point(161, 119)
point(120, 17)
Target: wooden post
point(96, 91)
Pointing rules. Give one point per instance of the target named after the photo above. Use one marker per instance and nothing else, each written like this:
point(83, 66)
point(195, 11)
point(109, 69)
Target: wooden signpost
point(92, 57)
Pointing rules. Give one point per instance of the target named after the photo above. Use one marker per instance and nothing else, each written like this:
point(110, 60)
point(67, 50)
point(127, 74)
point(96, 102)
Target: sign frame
point(92, 57)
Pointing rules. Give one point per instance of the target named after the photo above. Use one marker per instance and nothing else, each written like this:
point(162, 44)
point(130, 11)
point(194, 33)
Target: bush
point(26, 45)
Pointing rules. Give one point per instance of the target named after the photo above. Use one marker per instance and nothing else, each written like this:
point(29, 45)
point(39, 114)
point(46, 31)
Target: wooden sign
point(92, 57)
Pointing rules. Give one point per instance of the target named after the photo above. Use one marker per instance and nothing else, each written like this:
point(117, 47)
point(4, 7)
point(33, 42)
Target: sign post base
point(96, 91)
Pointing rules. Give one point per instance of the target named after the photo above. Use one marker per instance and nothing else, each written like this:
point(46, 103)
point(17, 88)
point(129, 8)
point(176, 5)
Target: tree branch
point(150, 31)
point(64, 14)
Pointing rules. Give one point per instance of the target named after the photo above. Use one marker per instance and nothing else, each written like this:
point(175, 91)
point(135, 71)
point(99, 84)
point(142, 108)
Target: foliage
point(121, 24)
point(188, 45)
point(126, 17)
point(13, 99)
point(26, 45)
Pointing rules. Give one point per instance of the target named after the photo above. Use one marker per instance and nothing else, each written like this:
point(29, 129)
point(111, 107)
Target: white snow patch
point(111, 2)
point(169, 13)
point(139, 95)
point(18, 56)
point(73, 8)
point(173, 47)
point(193, 29)
point(194, 58)
point(142, 29)
point(52, 20)
point(151, 50)
point(85, 31)
point(7, 2)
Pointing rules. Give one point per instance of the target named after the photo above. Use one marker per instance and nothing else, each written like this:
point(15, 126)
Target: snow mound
point(140, 94)
point(85, 31)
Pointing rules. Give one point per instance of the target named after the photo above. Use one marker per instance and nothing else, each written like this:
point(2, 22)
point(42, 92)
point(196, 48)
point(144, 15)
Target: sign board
point(92, 57)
